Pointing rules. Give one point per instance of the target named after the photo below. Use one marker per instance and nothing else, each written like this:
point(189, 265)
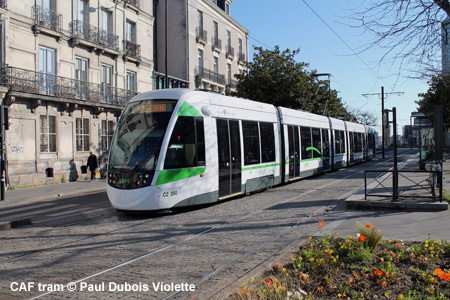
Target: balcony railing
point(135, 3)
point(216, 43)
point(94, 35)
point(46, 18)
point(202, 35)
point(241, 57)
point(3, 4)
point(26, 81)
point(230, 52)
point(210, 75)
point(131, 49)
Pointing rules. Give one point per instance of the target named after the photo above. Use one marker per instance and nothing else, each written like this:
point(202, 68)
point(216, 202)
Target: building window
point(47, 71)
point(48, 133)
point(106, 27)
point(131, 81)
point(200, 19)
point(229, 73)
point(216, 29)
point(130, 31)
point(227, 8)
point(216, 65)
point(82, 134)
point(82, 11)
point(106, 134)
point(240, 45)
point(81, 75)
point(106, 83)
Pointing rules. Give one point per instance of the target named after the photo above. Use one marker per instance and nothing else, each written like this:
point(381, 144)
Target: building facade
point(205, 46)
point(68, 69)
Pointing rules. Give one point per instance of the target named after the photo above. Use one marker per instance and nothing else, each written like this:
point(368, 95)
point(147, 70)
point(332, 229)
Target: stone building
point(205, 46)
point(68, 69)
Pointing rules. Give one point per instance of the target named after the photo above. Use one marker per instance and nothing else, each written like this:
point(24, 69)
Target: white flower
point(408, 249)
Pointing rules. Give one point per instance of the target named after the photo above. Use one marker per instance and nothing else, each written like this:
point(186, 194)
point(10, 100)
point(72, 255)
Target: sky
point(328, 45)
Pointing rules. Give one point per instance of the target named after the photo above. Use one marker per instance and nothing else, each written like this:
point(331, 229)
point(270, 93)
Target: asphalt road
point(96, 253)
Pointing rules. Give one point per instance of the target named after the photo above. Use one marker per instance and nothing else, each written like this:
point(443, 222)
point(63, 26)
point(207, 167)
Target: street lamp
point(329, 89)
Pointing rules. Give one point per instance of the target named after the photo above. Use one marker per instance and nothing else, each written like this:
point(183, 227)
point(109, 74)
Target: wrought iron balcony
point(202, 35)
point(135, 3)
point(131, 49)
point(216, 43)
point(3, 4)
point(3, 74)
point(210, 75)
point(26, 81)
point(241, 57)
point(230, 52)
point(46, 18)
point(94, 35)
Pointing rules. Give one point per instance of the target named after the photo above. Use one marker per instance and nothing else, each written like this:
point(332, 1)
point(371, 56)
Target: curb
point(417, 206)
point(15, 224)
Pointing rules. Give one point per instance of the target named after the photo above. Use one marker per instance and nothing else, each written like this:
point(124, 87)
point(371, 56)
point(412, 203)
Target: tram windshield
point(139, 135)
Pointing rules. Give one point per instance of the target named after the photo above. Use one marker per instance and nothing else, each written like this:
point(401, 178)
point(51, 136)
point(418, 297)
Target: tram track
point(205, 231)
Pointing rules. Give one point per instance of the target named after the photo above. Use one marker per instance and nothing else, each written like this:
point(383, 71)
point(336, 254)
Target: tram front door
point(230, 163)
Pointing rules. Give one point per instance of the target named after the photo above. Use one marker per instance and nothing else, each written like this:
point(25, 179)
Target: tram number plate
point(170, 194)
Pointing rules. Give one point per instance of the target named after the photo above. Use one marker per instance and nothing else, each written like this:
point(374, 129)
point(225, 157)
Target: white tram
point(180, 147)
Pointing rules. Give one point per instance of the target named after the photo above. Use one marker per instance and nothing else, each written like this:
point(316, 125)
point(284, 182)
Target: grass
point(357, 267)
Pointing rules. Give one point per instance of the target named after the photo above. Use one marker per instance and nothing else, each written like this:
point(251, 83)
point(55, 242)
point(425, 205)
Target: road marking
point(13, 210)
point(35, 212)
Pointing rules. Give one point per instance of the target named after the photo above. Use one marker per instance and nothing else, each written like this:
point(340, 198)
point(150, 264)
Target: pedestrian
point(92, 164)
point(430, 153)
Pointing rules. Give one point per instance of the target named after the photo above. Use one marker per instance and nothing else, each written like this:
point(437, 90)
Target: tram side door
point(294, 152)
point(230, 162)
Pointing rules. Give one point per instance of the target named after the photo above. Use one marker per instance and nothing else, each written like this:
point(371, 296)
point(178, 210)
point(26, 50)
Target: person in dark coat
point(92, 164)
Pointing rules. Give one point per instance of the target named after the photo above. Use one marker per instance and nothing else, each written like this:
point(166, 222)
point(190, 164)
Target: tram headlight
point(138, 182)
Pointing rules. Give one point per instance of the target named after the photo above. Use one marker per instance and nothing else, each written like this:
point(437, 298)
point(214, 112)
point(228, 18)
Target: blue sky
point(291, 25)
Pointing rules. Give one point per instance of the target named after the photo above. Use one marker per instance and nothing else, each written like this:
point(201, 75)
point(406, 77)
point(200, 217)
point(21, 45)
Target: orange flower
point(361, 238)
point(321, 221)
point(320, 289)
point(379, 273)
point(368, 225)
point(441, 274)
point(321, 225)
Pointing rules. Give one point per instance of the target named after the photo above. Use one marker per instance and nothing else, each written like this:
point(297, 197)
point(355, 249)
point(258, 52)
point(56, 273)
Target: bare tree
point(408, 31)
point(362, 117)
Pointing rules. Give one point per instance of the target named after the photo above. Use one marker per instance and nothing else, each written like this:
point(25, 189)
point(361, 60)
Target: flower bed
point(358, 267)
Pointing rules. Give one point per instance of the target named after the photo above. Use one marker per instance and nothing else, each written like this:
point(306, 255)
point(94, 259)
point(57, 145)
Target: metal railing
point(217, 43)
point(230, 52)
point(207, 74)
point(135, 3)
point(2, 3)
point(46, 18)
point(412, 186)
point(202, 35)
point(94, 35)
point(131, 49)
point(241, 57)
point(26, 81)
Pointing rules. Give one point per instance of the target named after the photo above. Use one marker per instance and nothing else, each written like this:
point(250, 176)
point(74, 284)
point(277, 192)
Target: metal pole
point(166, 42)
point(395, 177)
point(382, 121)
point(410, 131)
point(2, 161)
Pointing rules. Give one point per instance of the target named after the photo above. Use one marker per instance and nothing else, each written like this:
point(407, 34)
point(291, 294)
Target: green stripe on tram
point(187, 110)
point(167, 176)
point(260, 167)
point(315, 149)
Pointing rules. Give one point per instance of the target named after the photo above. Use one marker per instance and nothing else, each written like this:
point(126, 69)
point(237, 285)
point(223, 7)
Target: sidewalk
point(51, 191)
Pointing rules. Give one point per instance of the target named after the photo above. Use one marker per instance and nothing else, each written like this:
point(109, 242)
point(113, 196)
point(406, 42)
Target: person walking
point(92, 164)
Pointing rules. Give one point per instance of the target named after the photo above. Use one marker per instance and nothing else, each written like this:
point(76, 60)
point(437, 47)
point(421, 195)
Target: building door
point(230, 163)
point(294, 152)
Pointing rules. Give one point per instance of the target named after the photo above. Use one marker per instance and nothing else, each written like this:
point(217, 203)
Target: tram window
point(342, 135)
point(251, 143)
point(305, 135)
point(351, 138)
point(187, 144)
point(337, 142)
point(325, 143)
point(317, 142)
point(267, 142)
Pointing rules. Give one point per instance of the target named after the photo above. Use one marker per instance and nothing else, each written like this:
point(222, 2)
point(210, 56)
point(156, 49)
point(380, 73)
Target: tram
point(179, 147)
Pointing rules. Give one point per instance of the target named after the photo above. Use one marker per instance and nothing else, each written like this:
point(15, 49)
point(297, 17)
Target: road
point(102, 254)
